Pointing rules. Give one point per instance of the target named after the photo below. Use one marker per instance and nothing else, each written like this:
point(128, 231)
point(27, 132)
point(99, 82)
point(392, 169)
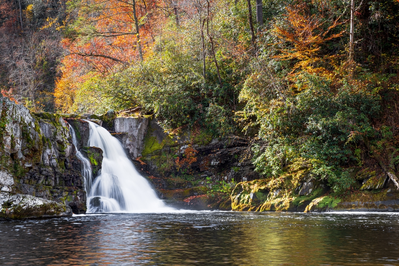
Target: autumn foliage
point(189, 157)
point(307, 35)
point(280, 79)
point(8, 94)
point(103, 39)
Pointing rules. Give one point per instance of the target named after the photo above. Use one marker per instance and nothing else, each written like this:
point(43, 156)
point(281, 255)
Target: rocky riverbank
point(39, 172)
point(193, 170)
point(40, 175)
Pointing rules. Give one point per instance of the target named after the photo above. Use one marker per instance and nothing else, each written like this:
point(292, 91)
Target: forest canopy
point(310, 81)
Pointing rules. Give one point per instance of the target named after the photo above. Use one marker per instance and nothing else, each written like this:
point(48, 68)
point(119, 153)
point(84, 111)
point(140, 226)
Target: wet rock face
point(82, 131)
point(306, 188)
point(182, 167)
point(6, 181)
point(37, 159)
point(95, 156)
point(131, 133)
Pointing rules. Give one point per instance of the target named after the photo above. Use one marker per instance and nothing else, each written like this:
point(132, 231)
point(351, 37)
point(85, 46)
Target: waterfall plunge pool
point(203, 238)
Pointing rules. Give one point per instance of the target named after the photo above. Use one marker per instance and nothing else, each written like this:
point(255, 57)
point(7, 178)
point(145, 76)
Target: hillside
point(311, 85)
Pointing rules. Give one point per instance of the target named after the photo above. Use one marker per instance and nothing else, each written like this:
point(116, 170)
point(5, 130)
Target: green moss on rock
point(151, 144)
point(302, 201)
point(323, 203)
point(203, 138)
point(95, 156)
point(27, 206)
point(374, 182)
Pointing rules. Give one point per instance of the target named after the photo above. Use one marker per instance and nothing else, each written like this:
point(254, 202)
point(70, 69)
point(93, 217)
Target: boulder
point(306, 189)
point(20, 206)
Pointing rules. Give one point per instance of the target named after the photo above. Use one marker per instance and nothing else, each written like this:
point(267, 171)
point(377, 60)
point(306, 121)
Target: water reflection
point(206, 238)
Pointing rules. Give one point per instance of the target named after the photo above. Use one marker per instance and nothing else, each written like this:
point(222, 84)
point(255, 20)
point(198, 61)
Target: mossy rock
point(302, 201)
point(283, 203)
point(54, 119)
point(95, 157)
point(176, 194)
point(108, 120)
point(200, 202)
point(176, 183)
point(152, 144)
point(375, 200)
point(249, 195)
point(323, 203)
point(46, 116)
point(82, 131)
point(365, 174)
point(374, 182)
point(27, 206)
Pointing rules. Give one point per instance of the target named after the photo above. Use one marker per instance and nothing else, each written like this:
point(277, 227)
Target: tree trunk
point(351, 37)
point(259, 13)
point(394, 179)
point(251, 24)
point(202, 24)
point(212, 44)
point(136, 22)
point(389, 172)
point(20, 14)
point(176, 13)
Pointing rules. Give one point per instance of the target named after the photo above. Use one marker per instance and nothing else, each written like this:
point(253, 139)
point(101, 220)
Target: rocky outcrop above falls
point(131, 133)
point(39, 172)
point(82, 131)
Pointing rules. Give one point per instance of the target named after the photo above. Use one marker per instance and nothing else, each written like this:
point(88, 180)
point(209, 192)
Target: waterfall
point(86, 172)
point(119, 187)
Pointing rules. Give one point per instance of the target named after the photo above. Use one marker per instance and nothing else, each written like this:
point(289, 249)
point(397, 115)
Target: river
point(204, 238)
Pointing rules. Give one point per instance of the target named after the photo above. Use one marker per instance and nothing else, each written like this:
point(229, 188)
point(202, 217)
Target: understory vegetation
point(309, 82)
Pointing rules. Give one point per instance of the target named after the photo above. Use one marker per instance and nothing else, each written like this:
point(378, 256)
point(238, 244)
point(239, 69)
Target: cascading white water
point(86, 171)
point(119, 187)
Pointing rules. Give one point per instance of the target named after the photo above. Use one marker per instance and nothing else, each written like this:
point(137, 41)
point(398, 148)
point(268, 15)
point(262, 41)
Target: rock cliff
point(189, 169)
point(131, 133)
point(40, 175)
point(39, 172)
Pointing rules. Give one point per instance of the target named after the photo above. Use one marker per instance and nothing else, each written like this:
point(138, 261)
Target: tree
point(30, 49)
point(104, 37)
point(259, 12)
point(305, 36)
point(251, 23)
point(136, 23)
point(352, 32)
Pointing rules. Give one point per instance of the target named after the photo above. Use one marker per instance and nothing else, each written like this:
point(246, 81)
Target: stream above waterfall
point(204, 238)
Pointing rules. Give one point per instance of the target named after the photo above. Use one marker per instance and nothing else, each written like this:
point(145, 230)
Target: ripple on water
point(209, 238)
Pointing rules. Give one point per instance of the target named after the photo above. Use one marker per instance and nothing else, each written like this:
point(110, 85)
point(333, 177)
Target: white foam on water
point(86, 171)
point(119, 187)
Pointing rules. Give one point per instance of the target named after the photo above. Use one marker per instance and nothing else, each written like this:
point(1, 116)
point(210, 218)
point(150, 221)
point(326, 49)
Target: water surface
point(204, 238)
